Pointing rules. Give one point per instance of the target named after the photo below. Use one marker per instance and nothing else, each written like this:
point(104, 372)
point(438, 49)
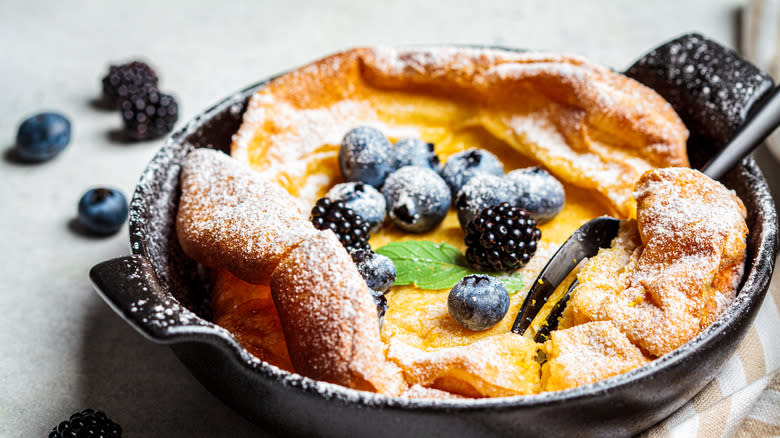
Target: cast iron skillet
point(164, 295)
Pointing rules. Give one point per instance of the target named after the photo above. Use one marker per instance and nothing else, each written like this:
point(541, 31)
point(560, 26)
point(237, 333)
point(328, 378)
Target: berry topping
point(481, 192)
point(149, 114)
point(463, 166)
point(501, 238)
point(378, 270)
point(478, 302)
point(42, 136)
point(349, 227)
point(417, 198)
point(381, 305)
point(539, 192)
point(102, 211)
point(363, 199)
point(366, 155)
point(123, 81)
point(87, 423)
point(415, 152)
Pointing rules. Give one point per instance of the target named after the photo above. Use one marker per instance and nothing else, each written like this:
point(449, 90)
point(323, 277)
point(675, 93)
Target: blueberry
point(417, 198)
point(381, 305)
point(483, 191)
point(463, 166)
point(366, 155)
point(102, 211)
point(415, 152)
point(478, 302)
point(363, 199)
point(378, 270)
point(539, 192)
point(42, 136)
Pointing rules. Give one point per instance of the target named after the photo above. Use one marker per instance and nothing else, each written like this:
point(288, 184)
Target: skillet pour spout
point(164, 295)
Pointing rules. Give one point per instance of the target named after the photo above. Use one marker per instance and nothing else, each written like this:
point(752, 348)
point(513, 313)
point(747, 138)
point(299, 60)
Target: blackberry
point(123, 81)
point(501, 238)
point(87, 423)
point(149, 114)
point(351, 229)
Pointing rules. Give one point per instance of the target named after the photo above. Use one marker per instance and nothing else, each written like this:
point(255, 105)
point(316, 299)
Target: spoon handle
point(753, 133)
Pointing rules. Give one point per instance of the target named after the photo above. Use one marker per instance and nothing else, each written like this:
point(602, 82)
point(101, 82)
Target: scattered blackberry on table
point(126, 80)
point(102, 211)
point(87, 424)
point(478, 302)
point(415, 152)
point(42, 136)
point(366, 155)
point(538, 192)
point(501, 238)
point(417, 199)
point(149, 114)
point(350, 228)
point(363, 199)
point(378, 271)
point(483, 191)
point(463, 166)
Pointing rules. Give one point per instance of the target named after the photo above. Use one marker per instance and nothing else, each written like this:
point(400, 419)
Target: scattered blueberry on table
point(478, 302)
point(102, 211)
point(42, 136)
point(87, 424)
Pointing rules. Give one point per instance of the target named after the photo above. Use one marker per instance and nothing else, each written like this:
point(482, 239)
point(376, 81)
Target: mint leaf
point(430, 265)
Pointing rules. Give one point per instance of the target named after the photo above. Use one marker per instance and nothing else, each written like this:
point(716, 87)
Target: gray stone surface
point(61, 348)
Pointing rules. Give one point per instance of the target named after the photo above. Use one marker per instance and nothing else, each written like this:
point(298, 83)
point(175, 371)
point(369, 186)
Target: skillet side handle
point(130, 287)
point(710, 87)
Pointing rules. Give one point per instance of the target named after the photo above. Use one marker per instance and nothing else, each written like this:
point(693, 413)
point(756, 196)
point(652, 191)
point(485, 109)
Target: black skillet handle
point(130, 286)
point(711, 87)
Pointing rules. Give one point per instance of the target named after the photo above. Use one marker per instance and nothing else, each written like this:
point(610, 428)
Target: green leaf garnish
point(430, 265)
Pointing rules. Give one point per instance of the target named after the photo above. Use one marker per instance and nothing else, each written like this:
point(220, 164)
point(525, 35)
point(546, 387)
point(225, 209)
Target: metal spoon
point(599, 232)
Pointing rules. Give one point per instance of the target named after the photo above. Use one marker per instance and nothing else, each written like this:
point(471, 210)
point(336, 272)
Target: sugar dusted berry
point(349, 227)
point(463, 166)
point(378, 270)
point(366, 155)
point(363, 199)
point(483, 191)
point(538, 192)
point(102, 211)
point(42, 136)
point(415, 152)
point(478, 302)
point(417, 199)
point(501, 238)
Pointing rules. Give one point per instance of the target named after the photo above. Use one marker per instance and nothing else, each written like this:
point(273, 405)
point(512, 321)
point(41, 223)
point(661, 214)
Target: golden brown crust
point(248, 312)
point(329, 318)
point(663, 292)
point(591, 127)
point(586, 354)
point(230, 218)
